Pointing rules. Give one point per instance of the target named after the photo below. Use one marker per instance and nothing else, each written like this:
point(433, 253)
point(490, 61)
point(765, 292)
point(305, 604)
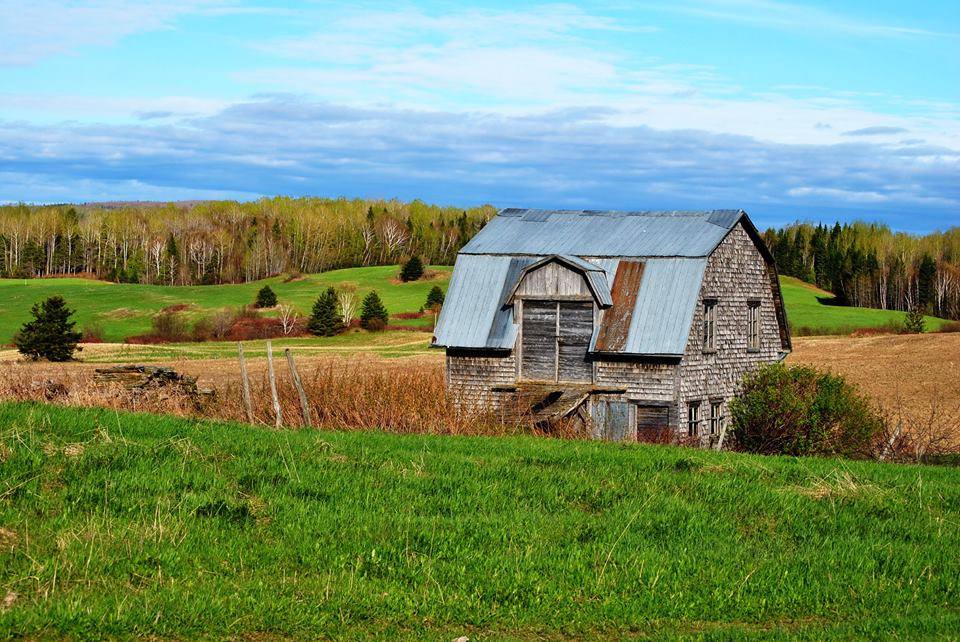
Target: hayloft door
point(576, 328)
point(538, 361)
point(555, 339)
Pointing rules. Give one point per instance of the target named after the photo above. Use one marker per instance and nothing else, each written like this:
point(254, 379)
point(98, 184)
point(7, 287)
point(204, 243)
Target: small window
point(716, 417)
point(693, 419)
point(753, 325)
point(709, 325)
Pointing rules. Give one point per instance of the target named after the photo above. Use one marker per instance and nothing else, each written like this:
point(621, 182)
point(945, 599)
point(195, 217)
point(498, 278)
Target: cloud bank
point(572, 158)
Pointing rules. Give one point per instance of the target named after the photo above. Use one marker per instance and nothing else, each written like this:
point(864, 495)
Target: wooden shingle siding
point(736, 276)
point(471, 380)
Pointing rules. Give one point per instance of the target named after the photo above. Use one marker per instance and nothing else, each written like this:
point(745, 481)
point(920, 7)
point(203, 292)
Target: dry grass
point(360, 393)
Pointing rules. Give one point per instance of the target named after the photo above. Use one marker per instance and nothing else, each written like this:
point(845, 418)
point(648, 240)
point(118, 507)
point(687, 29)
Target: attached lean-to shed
point(635, 324)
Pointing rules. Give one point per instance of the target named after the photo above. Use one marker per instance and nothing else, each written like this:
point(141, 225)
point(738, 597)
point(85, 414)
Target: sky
point(789, 110)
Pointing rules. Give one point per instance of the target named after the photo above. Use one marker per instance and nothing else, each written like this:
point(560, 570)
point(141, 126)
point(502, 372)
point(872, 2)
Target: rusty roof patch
point(612, 336)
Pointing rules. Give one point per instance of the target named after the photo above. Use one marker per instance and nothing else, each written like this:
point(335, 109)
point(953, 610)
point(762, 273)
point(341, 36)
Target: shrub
point(202, 329)
point(950, 326)
point(221, 323)
point(914, 323)
point(169, 326)
point(325, 319)
point(434, 298)
point(412, 269)
point(50, 335)
point(266, 298)
point(801, 411)
point(373, 314)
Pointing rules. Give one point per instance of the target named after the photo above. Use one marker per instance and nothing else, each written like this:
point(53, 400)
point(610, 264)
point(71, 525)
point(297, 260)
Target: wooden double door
point(555, 338)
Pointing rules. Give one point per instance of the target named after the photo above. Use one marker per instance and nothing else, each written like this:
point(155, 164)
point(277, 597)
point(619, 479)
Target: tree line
point(211, 242)
point(215, 242)
point(869, 265)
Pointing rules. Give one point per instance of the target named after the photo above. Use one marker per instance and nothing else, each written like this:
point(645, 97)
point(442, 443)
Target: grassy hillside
point(126, 309)
point(807, 308)
point(137, 525)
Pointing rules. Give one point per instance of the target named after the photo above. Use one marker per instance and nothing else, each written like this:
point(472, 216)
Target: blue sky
point(787, 109)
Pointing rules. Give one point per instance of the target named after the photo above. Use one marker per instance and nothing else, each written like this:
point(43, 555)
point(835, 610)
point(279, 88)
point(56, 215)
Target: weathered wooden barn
point(640, 325)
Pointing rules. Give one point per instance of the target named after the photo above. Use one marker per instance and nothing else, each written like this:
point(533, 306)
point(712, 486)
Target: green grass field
point(127, 525)
point(806, 310)
point(124, 310)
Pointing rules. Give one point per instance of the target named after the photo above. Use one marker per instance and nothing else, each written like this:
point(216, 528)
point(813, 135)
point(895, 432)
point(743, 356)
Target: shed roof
point(604, 233)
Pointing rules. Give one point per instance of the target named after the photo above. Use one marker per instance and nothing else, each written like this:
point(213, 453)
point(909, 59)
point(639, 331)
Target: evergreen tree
point(373, 315)
point(434, 298)
point(914, 323)
point(266, 298)
point(325, 320)
point(50, 335)
point(926, 276)
point(412, 269)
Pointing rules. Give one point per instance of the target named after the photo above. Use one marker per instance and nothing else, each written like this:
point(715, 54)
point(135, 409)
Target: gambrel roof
point(664, 256)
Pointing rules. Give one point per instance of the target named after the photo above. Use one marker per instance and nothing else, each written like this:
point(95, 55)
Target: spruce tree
point(434, 298)
point(266, 298)
point(325, 320)
point(412, 269)
point(373, 315)
point(50, 335)
point(914, 323)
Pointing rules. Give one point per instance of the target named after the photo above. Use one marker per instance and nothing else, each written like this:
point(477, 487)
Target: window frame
point(693, 418)
point(717, 417)
point(753, 326)
point(709, 325)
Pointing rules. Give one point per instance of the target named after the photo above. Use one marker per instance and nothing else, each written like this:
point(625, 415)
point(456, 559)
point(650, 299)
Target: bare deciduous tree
point(288, 318)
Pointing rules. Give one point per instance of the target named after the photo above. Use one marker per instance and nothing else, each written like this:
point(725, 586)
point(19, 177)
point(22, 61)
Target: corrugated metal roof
point(665, 306)
point(603, 234)
point(473, 313)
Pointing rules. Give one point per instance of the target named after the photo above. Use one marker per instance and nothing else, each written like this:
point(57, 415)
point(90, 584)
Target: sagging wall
point(736, 273)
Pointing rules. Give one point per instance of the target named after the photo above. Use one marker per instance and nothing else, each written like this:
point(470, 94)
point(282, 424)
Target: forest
point(212, 242)
point(869, 265)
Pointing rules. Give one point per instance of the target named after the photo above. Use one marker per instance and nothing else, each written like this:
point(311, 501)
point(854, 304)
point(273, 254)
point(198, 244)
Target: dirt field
point(915, 373)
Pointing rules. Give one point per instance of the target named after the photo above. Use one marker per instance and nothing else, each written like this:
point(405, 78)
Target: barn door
point(555, 339)
point(576, 328)
point(653, 423)
point(538, 348)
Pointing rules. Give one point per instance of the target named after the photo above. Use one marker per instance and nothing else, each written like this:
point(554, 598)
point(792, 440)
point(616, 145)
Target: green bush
point(326, 320)
point(266, 298)
point(50, 335)
point(373, 314)
point(800, 411)
point(412, 269)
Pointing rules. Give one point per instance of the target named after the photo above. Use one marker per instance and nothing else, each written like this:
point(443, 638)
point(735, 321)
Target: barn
point(631, 325)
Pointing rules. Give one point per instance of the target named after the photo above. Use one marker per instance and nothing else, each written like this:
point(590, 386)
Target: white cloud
point(794, 17)
point(36, 29)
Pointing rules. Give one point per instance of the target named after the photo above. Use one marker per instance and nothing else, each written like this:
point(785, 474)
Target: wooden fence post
point(246, 383)
point(273, 385)
point(304, 405)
